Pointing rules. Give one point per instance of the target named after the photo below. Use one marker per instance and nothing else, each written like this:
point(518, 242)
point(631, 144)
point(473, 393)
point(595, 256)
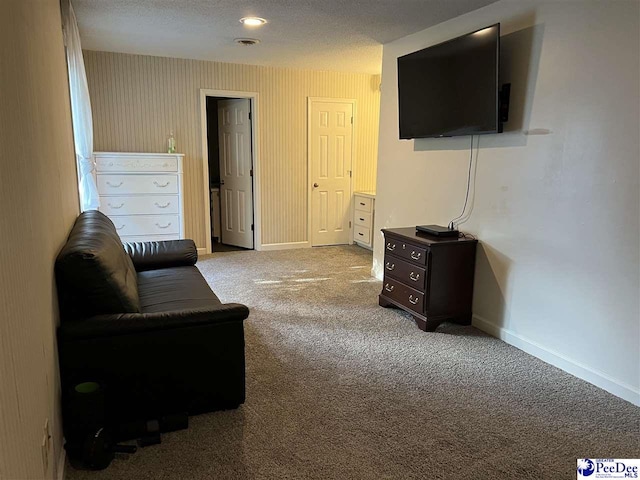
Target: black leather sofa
point(143, 323)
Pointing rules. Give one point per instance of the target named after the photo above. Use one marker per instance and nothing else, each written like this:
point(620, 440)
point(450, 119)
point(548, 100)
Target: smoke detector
point(247, 42)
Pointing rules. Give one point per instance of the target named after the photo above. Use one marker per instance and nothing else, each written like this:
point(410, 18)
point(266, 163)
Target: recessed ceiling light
point(252, 21)
point(247, 42)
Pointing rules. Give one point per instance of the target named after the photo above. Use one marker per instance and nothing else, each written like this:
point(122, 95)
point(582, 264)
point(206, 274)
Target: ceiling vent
point(247, 42)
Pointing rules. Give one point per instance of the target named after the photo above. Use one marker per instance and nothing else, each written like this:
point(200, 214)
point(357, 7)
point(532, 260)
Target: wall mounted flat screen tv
point(451, 89)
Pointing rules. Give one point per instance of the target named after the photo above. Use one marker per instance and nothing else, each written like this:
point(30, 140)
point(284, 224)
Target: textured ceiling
point(337, 35)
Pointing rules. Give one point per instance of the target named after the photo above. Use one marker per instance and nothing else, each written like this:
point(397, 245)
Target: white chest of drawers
point(142, 193)
point(363, 212)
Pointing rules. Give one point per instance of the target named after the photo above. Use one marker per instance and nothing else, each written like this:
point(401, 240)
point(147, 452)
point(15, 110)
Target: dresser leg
point(383, 303)
point(428, 325)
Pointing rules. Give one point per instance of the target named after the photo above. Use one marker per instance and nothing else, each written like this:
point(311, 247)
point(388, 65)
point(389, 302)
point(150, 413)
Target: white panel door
point(236, 191)
point(330, 135)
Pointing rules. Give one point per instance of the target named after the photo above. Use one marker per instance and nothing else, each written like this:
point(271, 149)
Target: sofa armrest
point(164, 254)
point(130, 323)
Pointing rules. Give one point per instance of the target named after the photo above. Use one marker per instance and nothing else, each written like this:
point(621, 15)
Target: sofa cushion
point(173, 289)
point(163, 254)
point(94, 274)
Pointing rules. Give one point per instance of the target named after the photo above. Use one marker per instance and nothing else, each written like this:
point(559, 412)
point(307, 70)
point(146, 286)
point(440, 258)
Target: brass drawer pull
point(413, 300)
point(389, 288)
point(390, 267)
point(113, 185)
point(120, 227)
point(162, 206)
point(115, 207)
point(163, 226)
point(414, 276)
point(391, 246)
point(161, 186)
point(416, 256)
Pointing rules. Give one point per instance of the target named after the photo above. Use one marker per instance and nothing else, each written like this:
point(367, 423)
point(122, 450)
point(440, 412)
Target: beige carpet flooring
point(340, 388)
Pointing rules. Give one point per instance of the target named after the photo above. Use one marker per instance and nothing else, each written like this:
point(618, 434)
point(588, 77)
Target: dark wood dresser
point(429, 277)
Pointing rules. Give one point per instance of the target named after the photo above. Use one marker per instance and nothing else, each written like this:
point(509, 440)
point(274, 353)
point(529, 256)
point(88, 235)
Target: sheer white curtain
point(80, 110)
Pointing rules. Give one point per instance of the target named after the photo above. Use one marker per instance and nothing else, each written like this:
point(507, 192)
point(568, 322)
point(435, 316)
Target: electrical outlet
point(47, 433)
point(46, 445)
point(45, 455)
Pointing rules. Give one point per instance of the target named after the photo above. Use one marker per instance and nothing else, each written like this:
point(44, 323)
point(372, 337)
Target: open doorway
point(229, 165)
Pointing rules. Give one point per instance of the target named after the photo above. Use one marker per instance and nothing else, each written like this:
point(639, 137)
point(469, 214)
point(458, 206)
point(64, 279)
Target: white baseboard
point(283, 246)
point(270, 246)
point(599, 379)
point(379, 275)
point(62, 463)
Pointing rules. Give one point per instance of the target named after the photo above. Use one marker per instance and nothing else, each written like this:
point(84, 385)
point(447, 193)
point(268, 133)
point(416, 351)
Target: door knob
point(315, 185)
point(221, 182)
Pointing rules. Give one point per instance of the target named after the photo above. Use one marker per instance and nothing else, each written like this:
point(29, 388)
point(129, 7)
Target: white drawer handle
point(161, 186)
point(114, 185)
point(390, 267)
point(162, 206)
point(163, 226)
point(389, 288)
point(416, 256)
point(391, 246)
point(116, 207)
point(414, 276)
point(413, 300)
point(120, 227)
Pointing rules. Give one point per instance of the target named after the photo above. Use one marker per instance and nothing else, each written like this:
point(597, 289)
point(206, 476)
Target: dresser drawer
point(407, 251)
point(124, 163)
point(146, 224)
point(364, 203)
point(140, 205)
point(362, 234)
point(133, 184)
point(148, 238)
point(406, 296)
point(362, 218)
point(408, 273)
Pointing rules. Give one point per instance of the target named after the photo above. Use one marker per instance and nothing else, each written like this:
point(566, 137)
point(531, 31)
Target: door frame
point(255, 157)
point(352, 101)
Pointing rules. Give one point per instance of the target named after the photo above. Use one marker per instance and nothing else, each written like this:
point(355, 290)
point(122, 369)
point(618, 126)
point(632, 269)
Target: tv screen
point(451, 89)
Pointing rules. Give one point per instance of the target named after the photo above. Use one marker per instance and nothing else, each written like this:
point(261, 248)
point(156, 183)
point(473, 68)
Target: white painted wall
point(557, 214)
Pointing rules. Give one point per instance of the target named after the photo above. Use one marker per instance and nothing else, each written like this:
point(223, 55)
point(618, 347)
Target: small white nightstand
point(363, 212)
